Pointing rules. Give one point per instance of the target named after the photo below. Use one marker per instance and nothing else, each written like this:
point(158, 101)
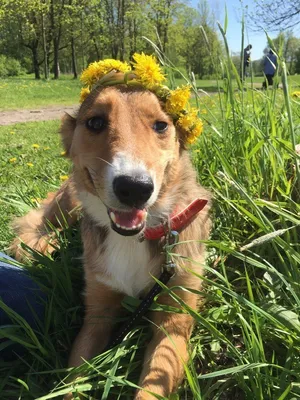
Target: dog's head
point(125, 149)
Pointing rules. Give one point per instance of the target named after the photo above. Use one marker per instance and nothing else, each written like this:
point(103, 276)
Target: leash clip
point(171, 238)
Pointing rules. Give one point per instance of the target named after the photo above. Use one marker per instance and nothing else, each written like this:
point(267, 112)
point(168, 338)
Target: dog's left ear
point(67, 128)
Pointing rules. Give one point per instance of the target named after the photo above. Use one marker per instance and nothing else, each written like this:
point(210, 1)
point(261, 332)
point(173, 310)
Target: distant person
point(247, 57)
point(270, 65)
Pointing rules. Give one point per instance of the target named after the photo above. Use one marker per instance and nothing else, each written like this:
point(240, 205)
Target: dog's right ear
point(67, 129)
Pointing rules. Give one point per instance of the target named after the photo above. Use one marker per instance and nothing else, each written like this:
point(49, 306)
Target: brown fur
point(131, 114)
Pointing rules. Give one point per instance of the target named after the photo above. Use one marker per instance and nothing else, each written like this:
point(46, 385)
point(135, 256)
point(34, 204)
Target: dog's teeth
point(133, 227)
point(112, 217)
point(118, 226)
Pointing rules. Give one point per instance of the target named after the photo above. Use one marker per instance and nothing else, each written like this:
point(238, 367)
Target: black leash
point(168, 270)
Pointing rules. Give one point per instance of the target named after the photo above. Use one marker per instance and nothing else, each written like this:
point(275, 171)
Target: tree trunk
point(55, 60)
point(121, 24)
point(46, 71)
point(74, 66)
point(96, 48)
point(35, 61)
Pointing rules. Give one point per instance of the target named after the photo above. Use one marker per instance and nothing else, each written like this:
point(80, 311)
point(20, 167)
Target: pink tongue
point(129, 219)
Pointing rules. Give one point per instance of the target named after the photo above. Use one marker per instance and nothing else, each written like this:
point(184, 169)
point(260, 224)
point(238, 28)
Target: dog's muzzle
point(133, 191)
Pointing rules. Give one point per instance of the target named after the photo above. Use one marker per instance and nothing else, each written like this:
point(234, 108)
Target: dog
point(131, 172)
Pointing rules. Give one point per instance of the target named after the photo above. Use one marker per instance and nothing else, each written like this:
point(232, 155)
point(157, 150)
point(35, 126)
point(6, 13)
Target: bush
point(178, 71)
point(3, 71)
point(10, 67)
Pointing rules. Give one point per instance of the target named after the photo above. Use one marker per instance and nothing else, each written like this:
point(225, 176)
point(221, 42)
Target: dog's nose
point(133, 191)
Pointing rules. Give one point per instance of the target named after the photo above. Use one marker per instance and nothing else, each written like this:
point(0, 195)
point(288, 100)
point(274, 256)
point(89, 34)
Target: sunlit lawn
point(31, 164)
point(26, 92)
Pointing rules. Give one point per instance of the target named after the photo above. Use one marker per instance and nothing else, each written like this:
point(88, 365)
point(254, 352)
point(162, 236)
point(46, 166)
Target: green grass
point(246, 342)
point(26, 92)
point(20, 180)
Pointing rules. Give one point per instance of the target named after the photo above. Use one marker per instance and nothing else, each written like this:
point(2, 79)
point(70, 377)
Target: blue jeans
point(20, 293)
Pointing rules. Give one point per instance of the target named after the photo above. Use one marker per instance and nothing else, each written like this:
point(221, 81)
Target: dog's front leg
point(167, 352)
point(102, 306)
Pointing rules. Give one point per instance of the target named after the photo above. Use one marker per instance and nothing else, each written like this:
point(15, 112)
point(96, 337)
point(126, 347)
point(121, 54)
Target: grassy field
point(31, 165)
point(246, 342)
point(26, 92)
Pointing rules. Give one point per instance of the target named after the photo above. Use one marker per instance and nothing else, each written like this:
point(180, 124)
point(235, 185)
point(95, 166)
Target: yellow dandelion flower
point(46, 148)
point(13, 160)
point(84, 94)
point(195, 132)
point(98, 69)
point(187, 120)
point(191, 125)
point(147, 70)
point(178, 99)
point(64, 178)
point(63, 153)
point(296, 94)
point(35, 146)
point(29, 164)
point(12, 132)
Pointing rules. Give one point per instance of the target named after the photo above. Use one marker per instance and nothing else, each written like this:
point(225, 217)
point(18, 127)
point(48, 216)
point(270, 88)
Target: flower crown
point(146, 71)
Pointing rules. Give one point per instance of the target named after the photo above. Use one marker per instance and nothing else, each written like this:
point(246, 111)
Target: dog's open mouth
point(127, 223)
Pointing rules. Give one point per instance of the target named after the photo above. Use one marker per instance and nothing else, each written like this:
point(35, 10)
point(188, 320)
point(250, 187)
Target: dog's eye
point(160, 126)
point(96, 124)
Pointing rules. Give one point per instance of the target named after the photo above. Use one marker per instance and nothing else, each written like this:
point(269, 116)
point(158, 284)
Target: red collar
point(177, 221)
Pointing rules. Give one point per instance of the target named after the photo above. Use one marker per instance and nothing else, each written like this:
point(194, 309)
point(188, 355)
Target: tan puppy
point(131, 171)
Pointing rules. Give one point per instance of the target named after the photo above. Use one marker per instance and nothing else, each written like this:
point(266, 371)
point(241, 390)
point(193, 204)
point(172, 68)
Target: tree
point(24, 20)
point(287, 45)
point(69, 34)
point(161, 14)
point(195, 39)
point(276, 14)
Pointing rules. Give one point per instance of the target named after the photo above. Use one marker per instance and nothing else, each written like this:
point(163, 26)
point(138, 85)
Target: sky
point(234, 12)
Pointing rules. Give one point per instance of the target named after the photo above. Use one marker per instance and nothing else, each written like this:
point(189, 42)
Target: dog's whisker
point(102, 159)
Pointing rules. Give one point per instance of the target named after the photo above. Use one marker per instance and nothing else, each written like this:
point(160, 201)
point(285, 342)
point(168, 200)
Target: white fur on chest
point(128, 264)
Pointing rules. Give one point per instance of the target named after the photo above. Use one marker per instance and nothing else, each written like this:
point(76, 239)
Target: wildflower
point(296, 94)
point(12, 132)
point(98, 69)
point(147, 70)
point(191, 125)
point(195, 132)
point(64, 178)
point(35, 146)
point(177, 100)
point(84, 94)
point(13, 160)
point(46, 148)
point(63, 153)
point(29, 164)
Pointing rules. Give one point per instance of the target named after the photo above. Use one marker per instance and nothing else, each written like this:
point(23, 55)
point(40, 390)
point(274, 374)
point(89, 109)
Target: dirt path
point(34, 114)
point(11, 117)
